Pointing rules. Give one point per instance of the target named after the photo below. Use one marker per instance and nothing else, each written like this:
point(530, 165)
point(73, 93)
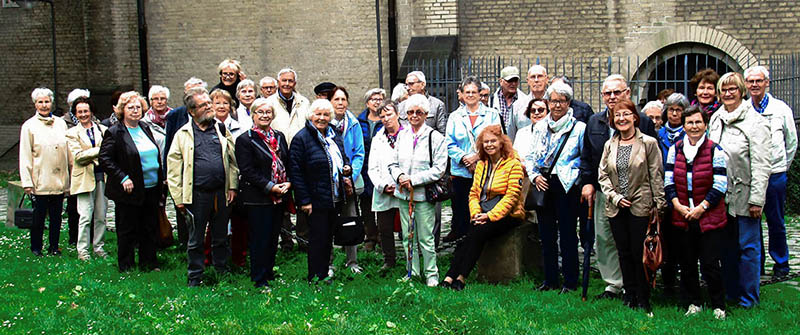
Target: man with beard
point(203, 178)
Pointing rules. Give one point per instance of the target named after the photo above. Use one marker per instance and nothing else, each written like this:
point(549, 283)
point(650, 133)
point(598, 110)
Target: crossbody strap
point(561, 148)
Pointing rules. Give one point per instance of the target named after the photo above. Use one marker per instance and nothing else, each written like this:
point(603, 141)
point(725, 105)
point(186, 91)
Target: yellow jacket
point(180, 163)
point(506, 181)
point(43, 155)
point(83, 157)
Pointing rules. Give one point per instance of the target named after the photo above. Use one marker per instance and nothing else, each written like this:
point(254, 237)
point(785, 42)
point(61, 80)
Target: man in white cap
point(510, 101)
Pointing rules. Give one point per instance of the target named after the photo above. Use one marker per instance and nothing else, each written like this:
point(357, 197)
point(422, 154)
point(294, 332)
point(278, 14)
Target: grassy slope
point(56, 295)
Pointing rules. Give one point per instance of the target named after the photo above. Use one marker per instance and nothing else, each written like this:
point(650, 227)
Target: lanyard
point(90, 133)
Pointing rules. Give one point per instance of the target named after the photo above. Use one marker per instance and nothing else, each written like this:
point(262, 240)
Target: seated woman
point(695, 181)
point(494, 204)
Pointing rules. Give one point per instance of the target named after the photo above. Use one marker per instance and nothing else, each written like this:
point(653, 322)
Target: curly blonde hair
point(126, 98)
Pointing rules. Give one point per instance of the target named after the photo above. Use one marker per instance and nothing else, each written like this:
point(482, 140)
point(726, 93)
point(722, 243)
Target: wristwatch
point(705, 207)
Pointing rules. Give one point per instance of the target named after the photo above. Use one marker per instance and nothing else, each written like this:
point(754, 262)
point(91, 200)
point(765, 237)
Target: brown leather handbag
point(652, 255)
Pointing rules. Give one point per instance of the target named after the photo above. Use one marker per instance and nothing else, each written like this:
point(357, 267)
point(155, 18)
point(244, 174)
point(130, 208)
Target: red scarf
point(278, 169)
point(159, 119)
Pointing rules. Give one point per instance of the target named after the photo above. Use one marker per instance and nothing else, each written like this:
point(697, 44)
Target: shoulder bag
point(535, 198)
point(23, 217)
point(441, 189)
point(487, 204)
point(349, 224)
point(652, 254)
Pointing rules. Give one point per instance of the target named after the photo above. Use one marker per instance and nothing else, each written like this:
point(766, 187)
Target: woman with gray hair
point(399, 93)
point(246, 93)
point(43, 168)
point(371, 124)
point(672, 131)
point(320, 173)
point(420, 159)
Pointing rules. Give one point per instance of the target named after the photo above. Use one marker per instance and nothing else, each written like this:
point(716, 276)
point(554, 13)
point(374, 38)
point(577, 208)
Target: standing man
point(510, 102)
point(203, 178)
point(614, 89)
point(267, 86)
point(437, 118)
point(784, 146)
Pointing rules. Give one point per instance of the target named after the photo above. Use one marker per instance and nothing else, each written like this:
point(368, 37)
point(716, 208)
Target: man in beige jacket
point(203, 178)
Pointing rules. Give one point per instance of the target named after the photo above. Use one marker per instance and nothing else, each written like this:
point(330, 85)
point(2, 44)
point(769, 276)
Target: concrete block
point(14, 192)
point(511, 255)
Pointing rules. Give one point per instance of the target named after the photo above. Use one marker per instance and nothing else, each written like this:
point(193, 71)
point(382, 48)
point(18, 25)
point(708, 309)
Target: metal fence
point(645, 77)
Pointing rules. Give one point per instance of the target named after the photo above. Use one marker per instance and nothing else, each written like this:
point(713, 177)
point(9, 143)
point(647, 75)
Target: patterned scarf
point(761, 106)
point(334, 156)
point(159, 119)
point(392, 138)
point(278, 169)
point(673, 133)
point(708, 109)
point(48, 120)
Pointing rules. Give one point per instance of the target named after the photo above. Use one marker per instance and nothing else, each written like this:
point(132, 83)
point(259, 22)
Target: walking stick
point(411, 225)
point(587, 250)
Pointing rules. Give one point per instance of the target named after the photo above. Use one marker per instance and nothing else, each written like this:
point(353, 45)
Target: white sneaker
point(83, 256)
point(354, 268)
point(432, 282)
point(692, 310)
point(330, 272)
point(719, 314)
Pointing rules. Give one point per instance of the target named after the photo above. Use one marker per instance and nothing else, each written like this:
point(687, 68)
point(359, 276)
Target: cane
point(587, 250)
point(411, 225)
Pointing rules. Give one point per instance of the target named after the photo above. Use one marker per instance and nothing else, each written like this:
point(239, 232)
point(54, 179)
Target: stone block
point(511, 255)
point(14, 192)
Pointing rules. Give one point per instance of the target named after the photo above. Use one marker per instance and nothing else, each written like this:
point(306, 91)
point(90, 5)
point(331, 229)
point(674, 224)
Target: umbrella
point(588, 242)
point(409, 261)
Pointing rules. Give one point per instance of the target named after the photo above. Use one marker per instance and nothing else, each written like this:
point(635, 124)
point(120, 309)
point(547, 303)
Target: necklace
point(629, 138)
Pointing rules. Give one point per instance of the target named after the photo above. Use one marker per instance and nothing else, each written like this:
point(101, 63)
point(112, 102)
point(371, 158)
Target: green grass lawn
point(64, 295)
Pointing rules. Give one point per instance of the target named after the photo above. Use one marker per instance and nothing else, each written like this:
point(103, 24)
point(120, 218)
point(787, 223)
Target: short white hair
point(287, 70)
point(614, 77)
point(323, 104)
point(653, 104)
point(258, 103)
point(157, 89)
point(484, 86)
point(243, 84)
point(418, 100)
point(537, 67)
point(418, 74)
point(559, 88)
point(41, 91)
point(267, 79)
point(194, 81)
point(398, 92)
point(374, 91)
point(77, 93)
point(756, 69)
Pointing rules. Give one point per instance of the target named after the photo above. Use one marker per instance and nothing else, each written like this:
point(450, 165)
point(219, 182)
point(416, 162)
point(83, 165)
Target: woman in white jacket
point(43, 168)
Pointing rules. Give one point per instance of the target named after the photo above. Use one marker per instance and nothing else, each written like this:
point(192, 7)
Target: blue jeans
point(741, 262)
point(776, 226)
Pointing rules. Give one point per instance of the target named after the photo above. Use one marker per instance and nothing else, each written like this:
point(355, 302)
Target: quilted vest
point(702, 182)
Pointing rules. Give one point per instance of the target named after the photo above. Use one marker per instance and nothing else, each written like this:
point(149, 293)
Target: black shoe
point(645, 306)
point(458, 285)
point(56, 252)
point(262, 285)
point(779, 274)
point(195, 282)
point(607, 295)
point(629, 300)
point(445, 284)
point(545, 287)
point(37, 253)
point(565, 290)
point(450, 237)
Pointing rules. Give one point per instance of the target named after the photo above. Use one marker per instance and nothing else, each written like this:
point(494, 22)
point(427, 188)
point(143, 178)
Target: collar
point(761, 106)
point(284, 98)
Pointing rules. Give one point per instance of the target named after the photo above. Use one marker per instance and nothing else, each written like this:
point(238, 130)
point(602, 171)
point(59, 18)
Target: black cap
point(324, 87)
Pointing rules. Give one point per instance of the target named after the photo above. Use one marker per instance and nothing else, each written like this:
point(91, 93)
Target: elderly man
point(580, 110)
point(653, 110)
point(485, 92)
point(784, 146)
point(537, 81)
point(203, 178)
point(268, 86)
point(510, 102)
point(323, 90)
point(437, 118)
point(614, 89)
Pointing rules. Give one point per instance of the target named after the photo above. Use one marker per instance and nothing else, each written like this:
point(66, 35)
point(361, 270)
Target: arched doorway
point(673, 67)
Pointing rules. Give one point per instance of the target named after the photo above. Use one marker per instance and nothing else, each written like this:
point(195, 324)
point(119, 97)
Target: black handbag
point(487, 204)
point(535, 199)
point(441, 189)
point(349, 224)
point(23, 217)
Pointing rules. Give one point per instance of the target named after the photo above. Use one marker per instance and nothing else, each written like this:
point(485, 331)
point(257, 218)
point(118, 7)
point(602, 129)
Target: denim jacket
point(461, 135)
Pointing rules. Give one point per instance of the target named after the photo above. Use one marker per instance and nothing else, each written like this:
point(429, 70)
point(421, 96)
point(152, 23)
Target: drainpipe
point(145, 68)
point(392, 43)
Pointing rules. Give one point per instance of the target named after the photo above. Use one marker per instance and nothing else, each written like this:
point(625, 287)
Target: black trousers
point(286, 233)
point(469, 250)
point(460, 204)
point(370, 223)
point(629, 232)
point(265, 224)
point(706, 247)
point(386, 232)
point(321, 223)
point(72, 219)
point(208, 208)
point(671, 248)
point(138, 225)
point(43, 206)
point(183, 230)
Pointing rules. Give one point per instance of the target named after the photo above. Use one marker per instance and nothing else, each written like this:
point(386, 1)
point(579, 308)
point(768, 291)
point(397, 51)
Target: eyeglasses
point(675, 110)
point(557, 102)
point(262, 112)
point(228, 74)
point(376, 100)
point(268, 88)
point(623, 115)
point(417, 112)
point(755, 81)
point(730, 90)
point(409, 83)
point(538, 110)
point(485, 95)
point(614, 92)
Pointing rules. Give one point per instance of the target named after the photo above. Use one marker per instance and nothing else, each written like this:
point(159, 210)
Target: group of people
point(244, 158)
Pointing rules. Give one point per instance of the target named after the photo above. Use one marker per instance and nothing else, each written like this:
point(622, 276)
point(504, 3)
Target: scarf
point(733, 116)
point(340, 124)
point(551, 140)
point(73, 117)
point(159, 119)
point(761, 106)
point(708, 109)
point(392, 138)
point(690, 151)
point(673, 133)
point(278, 169)
point(47, 120)
point(334, 156)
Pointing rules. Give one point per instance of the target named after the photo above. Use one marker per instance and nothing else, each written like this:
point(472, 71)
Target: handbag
point(439, 190)
point(535, 198)
point(165, 237)
point(23, 217)
point(652, 255)
point(349, 224)
point(487, 204)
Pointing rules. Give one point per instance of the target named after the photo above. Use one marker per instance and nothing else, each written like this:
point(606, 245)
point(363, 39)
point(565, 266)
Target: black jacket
point(176, 118)
point(119, 158)
point(309, 169)
point(255, 167)
point(581, 110)
point(594, 139)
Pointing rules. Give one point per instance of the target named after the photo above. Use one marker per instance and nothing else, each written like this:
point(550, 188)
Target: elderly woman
point(705, 84)
point(230, 74)
point(383, 201)
point(87, 179)
point(745, 136)
point(157, 114)
point(494, 202)
point(246, 92)
point(463, 126)
point(349, 128)
point(420, 159)
point(399, 93)
point(223, 108)
point(263, 189)
point(130, 158)
point(44, 169)
point(537, 110)
point(695, 183)
point(320, 173)
point(653, 110)
point(371, 124)
point(553, 168)
point(630, 176)
point(73, 217)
